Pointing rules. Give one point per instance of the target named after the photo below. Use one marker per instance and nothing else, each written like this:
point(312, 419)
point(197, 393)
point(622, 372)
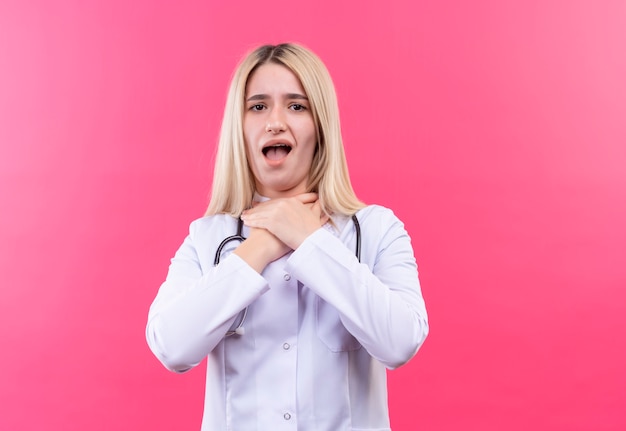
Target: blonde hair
point(233, 181)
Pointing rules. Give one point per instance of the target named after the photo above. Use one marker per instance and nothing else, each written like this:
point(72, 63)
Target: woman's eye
point(257, 107)
point(297, 107)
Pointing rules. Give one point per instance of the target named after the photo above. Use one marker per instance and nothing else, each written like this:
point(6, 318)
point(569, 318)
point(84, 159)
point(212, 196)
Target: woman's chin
point(280, 190)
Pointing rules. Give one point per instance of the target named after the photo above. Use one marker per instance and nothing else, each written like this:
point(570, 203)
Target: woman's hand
point(260, 248)
point(290, 220)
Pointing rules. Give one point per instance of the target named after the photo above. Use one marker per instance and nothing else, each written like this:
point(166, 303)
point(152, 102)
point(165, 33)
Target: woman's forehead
point(271, 79)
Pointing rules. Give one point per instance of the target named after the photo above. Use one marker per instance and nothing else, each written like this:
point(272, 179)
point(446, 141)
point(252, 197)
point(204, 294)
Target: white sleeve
point(381, 307)
point(193, 309)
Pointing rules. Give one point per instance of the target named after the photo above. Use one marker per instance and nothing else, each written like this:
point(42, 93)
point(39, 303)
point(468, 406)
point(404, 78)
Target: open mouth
point(276, 151)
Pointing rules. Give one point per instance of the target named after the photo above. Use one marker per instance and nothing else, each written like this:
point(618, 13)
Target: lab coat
point(320, 331)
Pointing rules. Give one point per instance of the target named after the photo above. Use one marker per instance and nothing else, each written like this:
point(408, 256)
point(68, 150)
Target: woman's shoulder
point(213, 224)
point(378, 220)
point(376, 213)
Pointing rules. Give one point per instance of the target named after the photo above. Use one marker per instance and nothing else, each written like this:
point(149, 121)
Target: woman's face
point(279, 131)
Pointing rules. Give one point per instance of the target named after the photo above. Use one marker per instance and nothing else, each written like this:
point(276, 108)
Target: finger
point(250, 219)
point(316, 207)
point(253, 223)
point(317, 210)
point(307, 198)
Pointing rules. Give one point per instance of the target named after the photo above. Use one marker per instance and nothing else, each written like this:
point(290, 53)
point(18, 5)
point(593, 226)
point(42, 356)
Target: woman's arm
point(381, 307)
point(197, 304)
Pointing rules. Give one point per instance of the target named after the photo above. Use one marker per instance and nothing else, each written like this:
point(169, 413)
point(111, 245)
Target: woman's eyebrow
point(257, 97)
point(286, 96)
point(296, 96)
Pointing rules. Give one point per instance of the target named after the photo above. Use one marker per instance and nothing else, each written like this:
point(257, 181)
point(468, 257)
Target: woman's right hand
point(261, 248)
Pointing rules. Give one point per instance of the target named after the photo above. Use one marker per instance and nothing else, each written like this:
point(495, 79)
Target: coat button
point(287, 416)
point(286, 346)
point(287, 277)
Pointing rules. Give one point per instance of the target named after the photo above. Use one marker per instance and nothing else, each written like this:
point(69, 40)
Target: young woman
point(299, 294)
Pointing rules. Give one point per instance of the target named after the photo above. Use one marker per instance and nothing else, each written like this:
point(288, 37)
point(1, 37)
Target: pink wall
point(496, 131)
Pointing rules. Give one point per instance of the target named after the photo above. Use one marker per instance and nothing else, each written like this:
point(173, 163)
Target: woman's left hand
point(291, 220)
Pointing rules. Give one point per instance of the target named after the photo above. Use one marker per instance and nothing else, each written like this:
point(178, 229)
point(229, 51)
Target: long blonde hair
point(233, 181)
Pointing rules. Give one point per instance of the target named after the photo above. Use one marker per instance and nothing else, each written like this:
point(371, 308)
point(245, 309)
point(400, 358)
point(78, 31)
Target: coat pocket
point(330, 329)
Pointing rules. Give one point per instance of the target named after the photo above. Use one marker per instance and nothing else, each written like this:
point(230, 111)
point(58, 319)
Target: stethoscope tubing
point(238, 237)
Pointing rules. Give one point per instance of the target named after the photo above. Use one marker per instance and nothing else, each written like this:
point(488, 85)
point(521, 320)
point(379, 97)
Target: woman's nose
point(275, 122)
point(275, 126)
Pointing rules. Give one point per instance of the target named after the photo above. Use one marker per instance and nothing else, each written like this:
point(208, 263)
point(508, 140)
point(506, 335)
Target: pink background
point(495, 129)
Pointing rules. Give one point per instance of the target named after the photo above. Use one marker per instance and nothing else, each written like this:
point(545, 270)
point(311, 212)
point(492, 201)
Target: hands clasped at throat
point(278, 226)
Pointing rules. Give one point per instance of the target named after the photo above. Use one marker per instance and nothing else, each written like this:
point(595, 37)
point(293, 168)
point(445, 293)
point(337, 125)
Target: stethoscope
point(238, 324)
